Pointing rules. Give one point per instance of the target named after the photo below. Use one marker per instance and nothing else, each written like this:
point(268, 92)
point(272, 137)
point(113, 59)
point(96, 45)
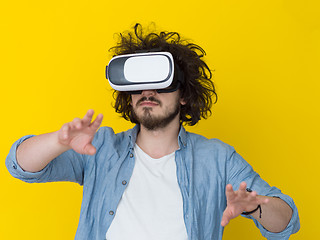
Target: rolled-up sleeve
point(240, 171)
point(69, 166)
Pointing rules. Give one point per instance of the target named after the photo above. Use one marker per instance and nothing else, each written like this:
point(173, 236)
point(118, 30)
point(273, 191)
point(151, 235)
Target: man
point(155, 181)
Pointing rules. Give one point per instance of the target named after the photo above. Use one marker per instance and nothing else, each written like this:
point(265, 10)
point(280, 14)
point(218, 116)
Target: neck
point(160, 142)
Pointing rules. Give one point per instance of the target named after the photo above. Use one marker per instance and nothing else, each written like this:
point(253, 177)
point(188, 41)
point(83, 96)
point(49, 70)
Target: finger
point(97, 122)
point(224, 222)
point(229, 188)
point(88, 117)
point(263, 200)
point(243, 186)
point(252, 196)
point(226, 217)
point(76, 123)
point(242, 189)
point(65, 131)
point(230, 194)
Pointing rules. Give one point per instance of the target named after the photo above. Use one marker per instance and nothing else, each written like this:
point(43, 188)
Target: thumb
point(226, 217)
point(224, 221)
point(89, 149)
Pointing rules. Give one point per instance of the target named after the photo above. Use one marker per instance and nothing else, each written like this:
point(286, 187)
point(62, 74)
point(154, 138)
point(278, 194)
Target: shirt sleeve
point(69, 166)
point(239, 170)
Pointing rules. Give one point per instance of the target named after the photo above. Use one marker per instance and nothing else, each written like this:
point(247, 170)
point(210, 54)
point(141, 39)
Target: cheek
point(133, 100)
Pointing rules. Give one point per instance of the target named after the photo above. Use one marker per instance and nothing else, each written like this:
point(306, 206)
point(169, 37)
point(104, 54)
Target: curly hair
point(197, 91)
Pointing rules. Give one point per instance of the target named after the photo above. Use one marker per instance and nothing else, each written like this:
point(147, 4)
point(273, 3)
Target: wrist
point(246, 213)
point(253, 211)
point(61, 144)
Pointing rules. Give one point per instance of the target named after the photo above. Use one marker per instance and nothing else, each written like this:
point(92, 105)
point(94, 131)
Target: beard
point(151, 122)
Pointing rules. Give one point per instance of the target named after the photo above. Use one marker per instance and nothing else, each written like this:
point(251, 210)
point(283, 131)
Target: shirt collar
point(132, 133)
point(182, 137)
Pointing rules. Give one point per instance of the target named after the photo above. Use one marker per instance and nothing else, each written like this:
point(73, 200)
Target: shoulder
point(209, 144)
point(104, 134)
point(107, 134)
point(106, 137)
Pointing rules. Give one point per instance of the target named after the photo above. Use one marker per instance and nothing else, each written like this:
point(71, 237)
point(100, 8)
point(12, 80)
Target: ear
point(182, 101)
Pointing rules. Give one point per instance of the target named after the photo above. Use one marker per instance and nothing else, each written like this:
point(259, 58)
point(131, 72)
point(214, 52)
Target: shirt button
point(124, 182)
point(111, 212)
point(14, 167)
point(131, 155)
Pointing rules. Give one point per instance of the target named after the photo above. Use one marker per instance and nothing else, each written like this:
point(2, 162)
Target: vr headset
point(136, 72)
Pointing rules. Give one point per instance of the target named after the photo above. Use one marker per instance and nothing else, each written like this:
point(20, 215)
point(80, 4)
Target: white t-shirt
point(151, 207)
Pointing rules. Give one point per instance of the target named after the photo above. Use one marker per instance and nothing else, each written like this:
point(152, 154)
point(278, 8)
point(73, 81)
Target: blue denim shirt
point(204, 168)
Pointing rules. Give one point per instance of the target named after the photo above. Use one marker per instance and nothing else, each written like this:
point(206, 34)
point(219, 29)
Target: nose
point(148, 93)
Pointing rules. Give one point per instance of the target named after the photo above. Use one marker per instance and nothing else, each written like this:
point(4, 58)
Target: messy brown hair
point(197, 90)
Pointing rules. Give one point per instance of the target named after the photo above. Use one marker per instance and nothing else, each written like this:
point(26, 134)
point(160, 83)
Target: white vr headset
point(143, 71)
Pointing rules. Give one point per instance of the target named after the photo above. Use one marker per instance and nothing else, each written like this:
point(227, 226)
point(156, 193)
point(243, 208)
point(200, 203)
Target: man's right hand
point(35, 153)
point(79, 133)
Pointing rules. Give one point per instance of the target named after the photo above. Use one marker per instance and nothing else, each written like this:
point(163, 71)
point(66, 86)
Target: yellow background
point(266, 57)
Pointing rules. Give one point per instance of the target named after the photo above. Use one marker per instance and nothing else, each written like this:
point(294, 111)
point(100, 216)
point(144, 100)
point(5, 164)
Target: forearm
point(35, 153)
point(276, 214)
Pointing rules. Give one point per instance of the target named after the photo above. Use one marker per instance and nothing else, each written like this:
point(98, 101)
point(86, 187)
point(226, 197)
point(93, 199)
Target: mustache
point(150, 99)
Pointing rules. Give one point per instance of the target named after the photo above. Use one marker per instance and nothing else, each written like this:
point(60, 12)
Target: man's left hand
point(240, 201)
